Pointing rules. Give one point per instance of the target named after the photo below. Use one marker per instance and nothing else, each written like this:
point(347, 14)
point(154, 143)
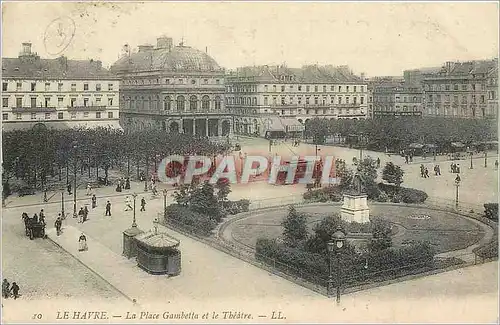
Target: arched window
point(255, 101)
point(193, 103)
point(167, 104)
point(180, 103)
point(205, 103)
point(217, 103)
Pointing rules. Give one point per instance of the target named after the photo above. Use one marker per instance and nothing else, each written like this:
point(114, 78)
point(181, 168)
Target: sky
point(378, 39)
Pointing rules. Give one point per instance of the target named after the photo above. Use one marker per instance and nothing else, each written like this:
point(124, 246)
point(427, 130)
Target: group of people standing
point(123, 184)
point(8, 290)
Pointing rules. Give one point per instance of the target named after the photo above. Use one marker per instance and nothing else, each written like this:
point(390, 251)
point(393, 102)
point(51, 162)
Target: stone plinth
point(355, 208)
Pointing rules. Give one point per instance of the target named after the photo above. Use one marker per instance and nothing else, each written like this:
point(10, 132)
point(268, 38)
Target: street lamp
point(62, 204)
point(485, 159)
point(156, 222)
point(165, 191)
point(337, 243)
point(457, 184)
point(471, 167)
point(134, 224)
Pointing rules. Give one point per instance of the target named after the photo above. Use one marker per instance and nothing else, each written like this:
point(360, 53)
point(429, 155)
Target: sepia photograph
point(249, 162)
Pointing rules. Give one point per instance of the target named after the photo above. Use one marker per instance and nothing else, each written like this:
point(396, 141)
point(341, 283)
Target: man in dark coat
point(143, 204)
point(108, 209)
point(94, 201)
point(15, 290)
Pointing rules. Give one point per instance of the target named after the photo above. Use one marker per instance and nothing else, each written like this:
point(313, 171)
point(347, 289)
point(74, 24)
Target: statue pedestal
point(355, 208)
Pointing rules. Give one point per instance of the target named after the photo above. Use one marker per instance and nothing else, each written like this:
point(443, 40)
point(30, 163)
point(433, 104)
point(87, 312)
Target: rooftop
point(305, 74)
point(30, 66)
point(168, 58)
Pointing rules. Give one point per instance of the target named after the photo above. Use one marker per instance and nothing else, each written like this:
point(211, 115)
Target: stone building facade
point(58, 93)
point(268, 97)
point(461, 90)
point(175, 88)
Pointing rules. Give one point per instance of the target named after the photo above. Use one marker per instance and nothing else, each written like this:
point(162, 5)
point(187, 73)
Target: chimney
point(145, 48)
point(26, 48)
point(164, 43)
point(63, 61)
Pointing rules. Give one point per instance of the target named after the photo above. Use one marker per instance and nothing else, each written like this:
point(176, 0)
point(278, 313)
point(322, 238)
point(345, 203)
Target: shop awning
point(283, 124)
point(58, 125)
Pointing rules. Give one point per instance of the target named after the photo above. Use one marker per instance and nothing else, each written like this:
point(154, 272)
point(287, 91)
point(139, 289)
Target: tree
point(367, 170)
point(393, 174)
point(294, 227)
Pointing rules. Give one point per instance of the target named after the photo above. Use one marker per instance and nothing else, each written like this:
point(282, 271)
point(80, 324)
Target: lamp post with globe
point(336, 245)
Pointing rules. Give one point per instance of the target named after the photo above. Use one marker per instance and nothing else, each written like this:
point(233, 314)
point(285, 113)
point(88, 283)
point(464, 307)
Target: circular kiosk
point(157, 253)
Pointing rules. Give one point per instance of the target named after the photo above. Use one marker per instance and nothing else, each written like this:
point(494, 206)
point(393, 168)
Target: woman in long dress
point(82, 242)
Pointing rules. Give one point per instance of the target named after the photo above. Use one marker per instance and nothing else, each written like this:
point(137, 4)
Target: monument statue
point(357, 184)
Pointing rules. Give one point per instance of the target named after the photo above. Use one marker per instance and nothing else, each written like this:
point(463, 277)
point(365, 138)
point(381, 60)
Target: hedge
point(383, 265)
point(324, 194)
point(193, 221)
point(235, 207)
point(491, 211)
point(401, 194)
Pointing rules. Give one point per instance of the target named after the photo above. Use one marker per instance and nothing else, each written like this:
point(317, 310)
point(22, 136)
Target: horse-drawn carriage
point(34, 228)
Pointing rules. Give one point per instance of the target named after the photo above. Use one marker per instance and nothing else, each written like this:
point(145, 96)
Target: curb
point(91, 270)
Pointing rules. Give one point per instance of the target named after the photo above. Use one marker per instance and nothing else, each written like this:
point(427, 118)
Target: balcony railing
point(34, 109)
point(87, 108)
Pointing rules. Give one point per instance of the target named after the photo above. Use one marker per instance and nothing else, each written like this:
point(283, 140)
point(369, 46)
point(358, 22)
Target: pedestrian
point(422, 171)
point(128, 204)
point(457, 179)
point(94, 201)
point(5, 288)
point(406, 159)
point(35, 218)
point(127, 183)
point(108, 209)
point(458, 169)
point(153, 189)
point(496, 164)
point(452, 167)
point(378, 162)
point(58, 225)
point(426, 173)
point(89, 189)
point(85, 213)
point(435, 170)
point(15, 290)
point(82, 243)
point(143, 204)
point(118, 187)
point(69, 188)
point(81, 215)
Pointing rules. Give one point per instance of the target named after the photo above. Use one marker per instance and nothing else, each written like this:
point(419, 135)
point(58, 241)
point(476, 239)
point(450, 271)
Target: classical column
point(206, 127)
point(194, 126)
point(219, 127)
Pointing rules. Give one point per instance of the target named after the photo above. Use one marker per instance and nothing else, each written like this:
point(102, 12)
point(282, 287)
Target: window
point(282, 88)
point(85, 102)
point(98, 87)
point(347, 89)
point(167, 81)
point(447, 87)
point(47, 101)
point(19, 86)
point(19, 116)
point(308, 88)
point(354, 88)
point(324, 89)
point(347, 100)
point(464, 87)
point(181, 81)
point(217, 81)
point(73, 114)
point(47, 86)
point(355, 100)
point(362, 100)
point(193, 81)
point(85, 114)
point(205, 81)
point(110, 86)
point(316, 89)
point(73, 102)
point(274, 88)
point(85, 86)
point(47, 116)
point(300, 88)
point(4, 86)
point(110, 101)
point(110, 114)
point(205, 103)
point(5, 116)
point(193, 103)
point(33, 116)
point(339, 100)
point(340, 89)
point(217, 103)
point(97, 114)
point(19, 102)
point(332, 88)
point(60, 115)
point(455, 87)
point(180, 103)
point(266, 101)
point(5, 102)
point(98, 102)
point(59, 86)
point(316, 100)
point(73, 87)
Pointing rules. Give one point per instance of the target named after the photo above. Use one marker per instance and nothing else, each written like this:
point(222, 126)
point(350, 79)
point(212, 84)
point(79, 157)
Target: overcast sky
point(375, 38)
